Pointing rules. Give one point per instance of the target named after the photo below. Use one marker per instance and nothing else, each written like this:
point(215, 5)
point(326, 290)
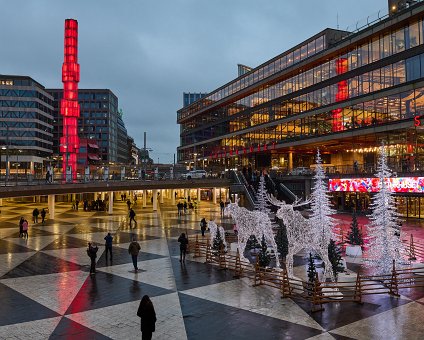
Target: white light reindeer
point(250, 223)
point(213, 228)
point(300, 235)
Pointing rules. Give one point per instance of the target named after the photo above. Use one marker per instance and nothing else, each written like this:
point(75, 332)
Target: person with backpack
point(133, 249)
point(92, 254)
point(183, 240)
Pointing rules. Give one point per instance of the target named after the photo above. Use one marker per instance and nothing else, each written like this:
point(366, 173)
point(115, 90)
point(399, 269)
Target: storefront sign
point(396, 184)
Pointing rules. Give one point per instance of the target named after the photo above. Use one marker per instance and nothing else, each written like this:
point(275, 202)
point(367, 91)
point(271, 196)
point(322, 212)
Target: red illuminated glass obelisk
point(69, 107)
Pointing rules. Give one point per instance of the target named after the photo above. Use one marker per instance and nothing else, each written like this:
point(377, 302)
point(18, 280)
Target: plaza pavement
point(46, 291)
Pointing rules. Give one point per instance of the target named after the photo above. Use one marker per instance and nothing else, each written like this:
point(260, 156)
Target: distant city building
point(243, 69)
point(26, 124)
point(99, 120)
point(133, 152)
point(189, 98)
point(122, 140)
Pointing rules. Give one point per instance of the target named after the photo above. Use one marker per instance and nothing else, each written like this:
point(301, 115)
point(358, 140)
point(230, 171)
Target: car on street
point(195, 174)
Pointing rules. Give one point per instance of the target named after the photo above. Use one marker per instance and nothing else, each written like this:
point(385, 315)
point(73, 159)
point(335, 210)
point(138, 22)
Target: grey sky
point(150, 52)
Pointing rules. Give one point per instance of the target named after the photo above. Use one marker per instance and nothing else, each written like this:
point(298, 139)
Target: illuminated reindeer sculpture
point(300, 235)
point(249, 223)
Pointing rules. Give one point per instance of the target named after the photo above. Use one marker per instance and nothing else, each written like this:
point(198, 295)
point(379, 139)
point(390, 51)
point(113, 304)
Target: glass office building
point(98, 120)
point(26, 125)
point(344, 92)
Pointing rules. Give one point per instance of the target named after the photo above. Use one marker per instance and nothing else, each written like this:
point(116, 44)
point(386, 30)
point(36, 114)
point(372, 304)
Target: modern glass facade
point(344, 92)
point(26, 124)
point(98, 120)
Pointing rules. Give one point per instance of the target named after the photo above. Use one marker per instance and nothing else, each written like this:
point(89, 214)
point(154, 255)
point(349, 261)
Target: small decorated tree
point(252, 243)
point(217, 241)
point(282, 240)
point(261, 194)
point(335, 257)
point(312, 274)
point(355, 235)
point(264, 257)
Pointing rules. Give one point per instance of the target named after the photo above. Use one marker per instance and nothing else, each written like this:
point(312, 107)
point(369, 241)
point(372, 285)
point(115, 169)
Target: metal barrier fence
point(317, 292)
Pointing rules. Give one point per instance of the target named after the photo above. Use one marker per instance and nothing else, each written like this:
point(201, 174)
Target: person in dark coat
point(203, 226)
point(183, 240)
point(146, 312)
point(43, 215)
point(108, 245)
point(92, 254)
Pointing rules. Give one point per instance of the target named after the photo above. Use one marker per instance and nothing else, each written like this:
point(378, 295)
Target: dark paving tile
point(194, 274)
point(340, 337)
point(204, 320)
point(41, 264)
point(10, 247)
point(121, 256)
point(125, 237)
point(413, 293)
point(339, 314)
point(104, 289)
point(81, 229)
point(66, 241)
point(17, 308)
point(68, 329)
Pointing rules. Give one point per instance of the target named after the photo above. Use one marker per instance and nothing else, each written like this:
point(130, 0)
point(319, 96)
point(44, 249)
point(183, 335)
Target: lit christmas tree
point(261, 196)
point(384, 245)
point(321, 221)
point(252, 243)
point(264, 257)
point(335, 257)
point(312, 274)
point(355, 235)
point(217, 241)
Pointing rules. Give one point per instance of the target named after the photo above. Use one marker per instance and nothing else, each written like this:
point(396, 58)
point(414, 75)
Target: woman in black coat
point(147, 314)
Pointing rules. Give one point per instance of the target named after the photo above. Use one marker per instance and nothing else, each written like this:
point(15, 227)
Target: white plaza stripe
point(55, 228)
point(261, 300)
point(404, 322)
point(10, 261)
point(121, 321)
point(156, 272)
point(35, 243)
point(55, 291)
point(34, 330)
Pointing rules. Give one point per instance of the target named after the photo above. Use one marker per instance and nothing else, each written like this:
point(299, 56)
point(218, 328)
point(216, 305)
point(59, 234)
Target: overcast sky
point(150, 52)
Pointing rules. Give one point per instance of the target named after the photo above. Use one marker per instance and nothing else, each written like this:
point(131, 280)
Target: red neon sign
point(342, 94)
point(69, 107)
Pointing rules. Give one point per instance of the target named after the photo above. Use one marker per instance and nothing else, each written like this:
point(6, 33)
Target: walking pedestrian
point(183, 240)
point(222, 205)
point(108, 245)
point(92, 254)
point(132, 216)
point(35, 214)
point(203, 225)
point(133, 250)
point(129, 204)
point(25, 227)
point(146, 312)
point(21, 221)
point(43, 215)
point(48, 176)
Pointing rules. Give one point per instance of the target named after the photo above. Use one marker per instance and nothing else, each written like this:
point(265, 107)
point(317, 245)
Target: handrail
point(288, 192)
point(245, 185)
